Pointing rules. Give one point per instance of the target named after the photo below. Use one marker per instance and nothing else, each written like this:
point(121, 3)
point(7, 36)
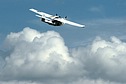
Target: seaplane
point(54, 20)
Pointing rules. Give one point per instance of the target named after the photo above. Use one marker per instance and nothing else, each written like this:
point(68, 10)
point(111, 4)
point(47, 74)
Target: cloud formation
point(35, 55)
point(104, 59)
point(43, 58)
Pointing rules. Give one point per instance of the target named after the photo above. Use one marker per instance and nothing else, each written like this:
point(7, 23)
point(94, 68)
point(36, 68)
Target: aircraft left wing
point(41, 13)
point(69, 22)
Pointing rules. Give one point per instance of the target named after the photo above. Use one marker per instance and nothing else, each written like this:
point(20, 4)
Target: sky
point(32, 52)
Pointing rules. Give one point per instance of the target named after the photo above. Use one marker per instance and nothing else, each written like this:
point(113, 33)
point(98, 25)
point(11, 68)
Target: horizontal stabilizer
point(38, 16)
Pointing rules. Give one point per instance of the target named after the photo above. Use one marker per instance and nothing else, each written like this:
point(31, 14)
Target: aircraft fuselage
point(51, 22)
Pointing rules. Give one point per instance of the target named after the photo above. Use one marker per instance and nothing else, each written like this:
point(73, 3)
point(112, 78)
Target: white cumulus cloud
point(33, 57)
point(104, 59)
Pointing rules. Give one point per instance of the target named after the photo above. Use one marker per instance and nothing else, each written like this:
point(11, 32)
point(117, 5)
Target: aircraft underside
point(52, 22)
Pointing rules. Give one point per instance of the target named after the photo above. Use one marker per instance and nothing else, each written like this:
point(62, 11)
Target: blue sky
point(15, 15)
point(95, 51)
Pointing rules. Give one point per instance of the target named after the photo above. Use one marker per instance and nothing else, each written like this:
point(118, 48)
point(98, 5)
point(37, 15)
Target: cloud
point(95, 9)
point(80, 81)
point(33, 57)
point(116, 22)
point(37, 56)
point(104, 59)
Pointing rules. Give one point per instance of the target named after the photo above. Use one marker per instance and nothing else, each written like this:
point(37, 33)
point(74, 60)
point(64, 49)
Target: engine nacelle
point(43, 19)
point(51, 22)
point(57, 23)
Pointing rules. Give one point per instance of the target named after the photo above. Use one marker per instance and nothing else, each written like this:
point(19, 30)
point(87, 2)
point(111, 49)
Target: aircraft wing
point(41, 13)
point(69, 22)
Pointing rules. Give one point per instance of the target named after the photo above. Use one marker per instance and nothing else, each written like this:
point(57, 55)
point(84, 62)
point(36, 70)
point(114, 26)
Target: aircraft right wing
point(41, 13)
point(69, 22)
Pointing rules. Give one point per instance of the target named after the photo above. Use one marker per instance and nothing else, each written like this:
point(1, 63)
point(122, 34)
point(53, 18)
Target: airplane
point(54, 20)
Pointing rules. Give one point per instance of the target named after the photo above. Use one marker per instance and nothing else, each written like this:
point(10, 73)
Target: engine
point(51, 22)
point(43, 19)
point(57, 23)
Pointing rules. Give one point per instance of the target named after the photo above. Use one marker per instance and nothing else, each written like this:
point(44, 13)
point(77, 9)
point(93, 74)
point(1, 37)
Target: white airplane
point(54, 20)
